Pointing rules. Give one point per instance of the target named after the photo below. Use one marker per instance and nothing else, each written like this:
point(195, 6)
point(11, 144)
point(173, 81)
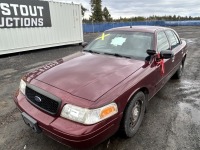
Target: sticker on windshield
point(118, 41)
point(103, 36)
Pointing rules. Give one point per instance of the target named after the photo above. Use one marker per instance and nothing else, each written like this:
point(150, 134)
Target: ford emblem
point(38, 99)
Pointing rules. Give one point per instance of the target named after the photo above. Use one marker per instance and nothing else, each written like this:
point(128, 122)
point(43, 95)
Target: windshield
point(127, 44)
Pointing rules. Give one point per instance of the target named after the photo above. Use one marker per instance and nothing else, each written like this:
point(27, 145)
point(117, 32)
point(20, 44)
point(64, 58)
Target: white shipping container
point(66, 28)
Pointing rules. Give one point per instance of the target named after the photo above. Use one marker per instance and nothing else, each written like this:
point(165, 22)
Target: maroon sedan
point(83, 99)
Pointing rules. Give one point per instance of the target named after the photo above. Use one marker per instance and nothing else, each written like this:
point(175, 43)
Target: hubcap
point(135, 114)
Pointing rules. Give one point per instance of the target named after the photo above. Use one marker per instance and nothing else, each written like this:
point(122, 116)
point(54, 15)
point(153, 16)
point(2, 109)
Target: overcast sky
point(131, 8)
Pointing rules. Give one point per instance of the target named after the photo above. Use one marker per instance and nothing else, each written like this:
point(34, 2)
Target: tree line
point(159, 18)
point(99, 15)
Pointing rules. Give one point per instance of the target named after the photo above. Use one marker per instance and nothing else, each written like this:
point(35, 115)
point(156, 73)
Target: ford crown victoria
point(83, 99)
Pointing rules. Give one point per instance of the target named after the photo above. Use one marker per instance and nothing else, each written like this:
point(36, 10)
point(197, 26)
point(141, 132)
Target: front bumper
point(67, 132)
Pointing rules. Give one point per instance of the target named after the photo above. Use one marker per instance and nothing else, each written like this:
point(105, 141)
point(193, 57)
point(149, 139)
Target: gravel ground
point(171, 123)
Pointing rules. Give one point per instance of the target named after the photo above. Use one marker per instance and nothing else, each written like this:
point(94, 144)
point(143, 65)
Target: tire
point(178, 74)
point(133, 115)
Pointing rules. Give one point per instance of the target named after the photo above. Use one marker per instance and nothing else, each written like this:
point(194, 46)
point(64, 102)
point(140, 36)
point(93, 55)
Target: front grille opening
point(46, 104)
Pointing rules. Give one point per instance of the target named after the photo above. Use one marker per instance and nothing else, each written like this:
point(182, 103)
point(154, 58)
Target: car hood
point(86, 75)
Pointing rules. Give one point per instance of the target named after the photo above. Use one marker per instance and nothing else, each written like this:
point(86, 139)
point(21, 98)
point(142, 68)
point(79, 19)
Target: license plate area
point(31, 122)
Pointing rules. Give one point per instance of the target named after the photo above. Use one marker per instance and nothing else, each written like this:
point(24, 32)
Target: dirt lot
point(172, 121)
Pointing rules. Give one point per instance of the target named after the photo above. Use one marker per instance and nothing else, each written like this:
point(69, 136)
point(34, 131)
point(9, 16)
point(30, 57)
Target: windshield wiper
point(117, 55)
point(90, 51)
point(113, 54)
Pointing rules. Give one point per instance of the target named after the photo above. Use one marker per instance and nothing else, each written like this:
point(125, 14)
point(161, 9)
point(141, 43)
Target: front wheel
point(134, 114)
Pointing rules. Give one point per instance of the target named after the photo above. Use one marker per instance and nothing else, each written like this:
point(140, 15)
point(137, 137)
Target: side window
point(162, 42)
point(172, 38)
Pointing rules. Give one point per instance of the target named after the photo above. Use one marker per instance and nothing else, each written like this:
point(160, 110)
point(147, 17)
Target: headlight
point(22, 86)
point(88, 116)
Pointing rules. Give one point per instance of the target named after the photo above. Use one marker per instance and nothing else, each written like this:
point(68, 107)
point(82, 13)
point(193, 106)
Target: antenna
point(131, 22)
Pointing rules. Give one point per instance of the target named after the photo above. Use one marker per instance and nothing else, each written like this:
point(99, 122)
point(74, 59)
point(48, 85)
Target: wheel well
point(184, 57)
point(183, 61)
point(146, 93)
point(144, 90)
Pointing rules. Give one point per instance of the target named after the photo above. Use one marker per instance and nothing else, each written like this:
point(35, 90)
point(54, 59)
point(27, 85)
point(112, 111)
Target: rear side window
point(162, 42)
point(172, 38)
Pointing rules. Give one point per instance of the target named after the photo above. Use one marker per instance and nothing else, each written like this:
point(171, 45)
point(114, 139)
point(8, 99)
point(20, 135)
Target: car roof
point(150, 29)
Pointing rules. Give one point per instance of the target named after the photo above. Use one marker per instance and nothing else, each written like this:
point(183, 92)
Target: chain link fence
point(101, 27)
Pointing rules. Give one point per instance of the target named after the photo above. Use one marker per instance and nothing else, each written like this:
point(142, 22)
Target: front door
point(162, 74)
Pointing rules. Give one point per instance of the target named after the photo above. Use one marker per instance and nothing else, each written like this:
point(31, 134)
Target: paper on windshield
point(118, 41)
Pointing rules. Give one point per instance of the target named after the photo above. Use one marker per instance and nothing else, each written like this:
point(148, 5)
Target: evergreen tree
point(106, 15)
point(83, 10)
point(96, 9)
point(174, 18)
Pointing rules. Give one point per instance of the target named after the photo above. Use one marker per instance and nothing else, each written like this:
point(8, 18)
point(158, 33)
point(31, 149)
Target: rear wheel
point(178, 74)
point(134, 114)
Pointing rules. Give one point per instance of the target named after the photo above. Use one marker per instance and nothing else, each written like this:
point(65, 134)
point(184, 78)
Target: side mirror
point(166, 54)
point(84, 44)
point(151, 52)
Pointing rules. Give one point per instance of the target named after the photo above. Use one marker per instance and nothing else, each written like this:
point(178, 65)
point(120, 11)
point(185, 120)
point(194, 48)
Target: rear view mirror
point(84, 44)
point(151, 52)
point(166, 54)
